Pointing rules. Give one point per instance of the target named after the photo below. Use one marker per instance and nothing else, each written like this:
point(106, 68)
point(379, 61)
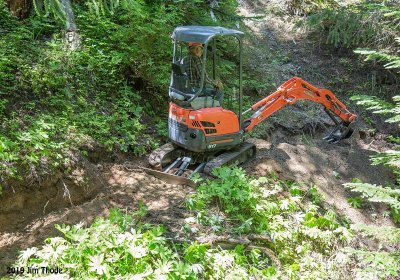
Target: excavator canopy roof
point(202, 34)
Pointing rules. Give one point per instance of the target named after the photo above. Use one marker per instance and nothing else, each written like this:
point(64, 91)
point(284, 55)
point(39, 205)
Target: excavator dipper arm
point(296, 89)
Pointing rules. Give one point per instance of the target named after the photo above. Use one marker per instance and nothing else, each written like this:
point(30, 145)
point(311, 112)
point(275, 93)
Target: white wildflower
point(313, 232)
point(23, 258)
point(197, 268)
point(284, 204)
point(224, 261)
point(96, 264)
point(137, 251)
point(141, 275)
point(190, 220)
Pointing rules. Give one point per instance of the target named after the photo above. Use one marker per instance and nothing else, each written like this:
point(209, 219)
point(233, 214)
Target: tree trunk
point(20, 8)
point(72, 38)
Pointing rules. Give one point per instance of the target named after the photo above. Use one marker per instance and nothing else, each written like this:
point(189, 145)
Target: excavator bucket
point(340, 132)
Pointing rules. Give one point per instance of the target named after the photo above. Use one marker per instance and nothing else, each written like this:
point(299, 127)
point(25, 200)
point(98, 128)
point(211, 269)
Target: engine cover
point(204, 129)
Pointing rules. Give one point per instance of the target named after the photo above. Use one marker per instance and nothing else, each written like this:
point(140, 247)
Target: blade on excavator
point(170, 178)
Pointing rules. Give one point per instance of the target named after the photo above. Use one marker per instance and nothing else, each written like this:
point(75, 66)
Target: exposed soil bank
point(27, 218)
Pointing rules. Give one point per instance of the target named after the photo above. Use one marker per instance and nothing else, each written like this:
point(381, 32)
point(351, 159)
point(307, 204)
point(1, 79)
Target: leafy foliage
point(302, 239)
point(391, 110)
point(391, 61)
point(390, 158)
point(373, 265)
point(305, 7)
point(52, 8)
point(122, 247)
point(370, 26)
point(296, 241)
point(342, 27)
point(386, 235)
point(355, 202)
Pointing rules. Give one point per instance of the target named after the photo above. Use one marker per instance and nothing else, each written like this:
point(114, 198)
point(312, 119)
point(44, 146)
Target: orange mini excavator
point(206, 134)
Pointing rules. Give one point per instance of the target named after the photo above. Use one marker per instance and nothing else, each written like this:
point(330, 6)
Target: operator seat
point(179, 83)
point(180, 86)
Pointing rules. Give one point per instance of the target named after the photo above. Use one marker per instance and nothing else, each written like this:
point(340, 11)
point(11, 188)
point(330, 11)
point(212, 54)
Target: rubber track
point(241, 154)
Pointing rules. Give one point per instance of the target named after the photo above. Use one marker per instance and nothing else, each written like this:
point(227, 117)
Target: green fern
point(391, 61)
point(392, 110)
point(344, 27)
point(375, 193)
point(387, 235)
point(108, 7)
point(54, 8)
point(372, 24)
point(375, 265)
point(301, 7)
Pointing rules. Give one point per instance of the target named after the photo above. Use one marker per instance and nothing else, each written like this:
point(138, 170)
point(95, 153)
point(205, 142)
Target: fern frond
point(375, 193)
point(390, 157)
point(373, 103)
point(387, 235)
point(375, 265)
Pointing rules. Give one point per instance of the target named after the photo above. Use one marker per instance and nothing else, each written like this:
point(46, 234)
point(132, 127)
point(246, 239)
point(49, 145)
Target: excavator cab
point(198, 90)
point(197, 119)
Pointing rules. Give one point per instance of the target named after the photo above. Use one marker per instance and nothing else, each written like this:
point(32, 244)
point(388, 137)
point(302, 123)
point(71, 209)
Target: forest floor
point(290, 145)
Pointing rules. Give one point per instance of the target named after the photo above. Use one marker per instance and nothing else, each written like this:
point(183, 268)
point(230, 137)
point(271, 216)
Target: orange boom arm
point(289, 93)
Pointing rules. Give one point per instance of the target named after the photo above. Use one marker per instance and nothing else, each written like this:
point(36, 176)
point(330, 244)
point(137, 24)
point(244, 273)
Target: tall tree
point(20, 8)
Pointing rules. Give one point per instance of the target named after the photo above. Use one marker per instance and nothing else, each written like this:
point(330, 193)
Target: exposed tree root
point(227, 242)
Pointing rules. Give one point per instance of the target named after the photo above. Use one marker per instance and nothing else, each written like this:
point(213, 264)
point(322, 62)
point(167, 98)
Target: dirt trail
point(284, 145)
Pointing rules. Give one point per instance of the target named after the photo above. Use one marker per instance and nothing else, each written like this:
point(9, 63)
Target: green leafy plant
point(121, 246)
point(52, 8)
point(355, 202)
point(390, 61)
point(369, 26)
point(315, 196)
point(298, 234)
point(304, 7)
point(375, 265)
point(386, 235)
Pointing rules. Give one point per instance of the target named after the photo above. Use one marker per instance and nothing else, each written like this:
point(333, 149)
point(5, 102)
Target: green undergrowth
point(109, 93)
point(121, 247)
point(369, 27)
point(308, 242)
point(252, 228)
point(365, 23)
